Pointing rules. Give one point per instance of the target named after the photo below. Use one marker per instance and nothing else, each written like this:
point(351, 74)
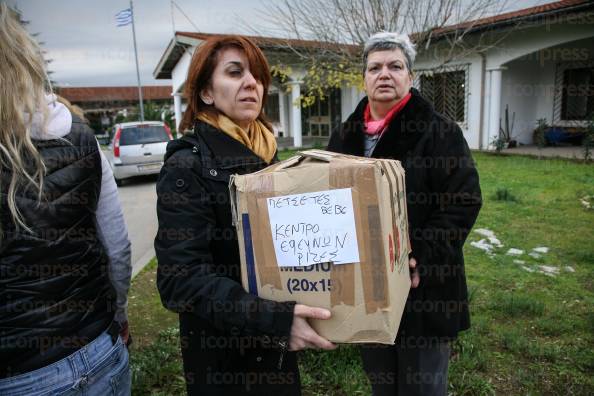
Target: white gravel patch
point(484, 232)
point(541, 249)
point(488, 243)
point(483, 245)
point(495, 242)
point(515, 252)
point(549, 270)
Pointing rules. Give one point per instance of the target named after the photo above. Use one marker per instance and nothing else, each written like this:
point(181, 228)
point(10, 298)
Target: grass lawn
point(532, 316)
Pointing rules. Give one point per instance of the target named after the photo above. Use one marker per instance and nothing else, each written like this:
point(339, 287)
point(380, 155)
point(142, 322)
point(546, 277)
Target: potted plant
point(506, 132)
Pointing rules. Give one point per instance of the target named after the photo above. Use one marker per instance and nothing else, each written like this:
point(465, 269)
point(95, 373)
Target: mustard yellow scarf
point(257, 138)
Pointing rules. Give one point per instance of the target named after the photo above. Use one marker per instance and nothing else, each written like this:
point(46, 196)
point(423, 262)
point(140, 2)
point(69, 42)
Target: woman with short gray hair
point(386, 41)
point(443, 198)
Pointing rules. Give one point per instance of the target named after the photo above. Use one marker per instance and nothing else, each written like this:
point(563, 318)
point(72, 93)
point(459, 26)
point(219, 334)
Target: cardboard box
point(328, 230)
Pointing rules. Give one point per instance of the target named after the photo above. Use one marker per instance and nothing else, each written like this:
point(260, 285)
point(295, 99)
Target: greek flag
point(124, 17)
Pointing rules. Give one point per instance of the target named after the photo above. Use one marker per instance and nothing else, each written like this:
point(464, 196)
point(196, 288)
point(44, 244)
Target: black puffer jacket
point(55, 294)
point(443, 201)
point(230, 339)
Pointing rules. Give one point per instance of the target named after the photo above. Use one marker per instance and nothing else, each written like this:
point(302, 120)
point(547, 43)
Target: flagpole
point(172, 20)
point(137, 69)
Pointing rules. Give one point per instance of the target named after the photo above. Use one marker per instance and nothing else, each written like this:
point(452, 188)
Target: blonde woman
point(64, 249)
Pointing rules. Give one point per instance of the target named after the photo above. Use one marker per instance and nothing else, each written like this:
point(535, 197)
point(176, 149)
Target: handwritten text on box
point(314, 228)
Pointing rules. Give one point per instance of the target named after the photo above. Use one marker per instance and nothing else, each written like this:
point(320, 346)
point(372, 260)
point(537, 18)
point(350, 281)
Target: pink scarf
point(374, 127)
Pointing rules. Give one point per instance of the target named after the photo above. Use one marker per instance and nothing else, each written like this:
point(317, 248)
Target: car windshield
point(143, 135)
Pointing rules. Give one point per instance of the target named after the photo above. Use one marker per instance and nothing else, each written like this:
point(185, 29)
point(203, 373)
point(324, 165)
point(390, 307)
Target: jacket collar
point(407, 126)
point(219, 149)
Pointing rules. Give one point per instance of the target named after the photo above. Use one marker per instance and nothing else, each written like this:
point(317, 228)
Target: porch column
point(177, 106)
point(495, 104)
point(282, 111)
point(296, 113)
point(484, 139)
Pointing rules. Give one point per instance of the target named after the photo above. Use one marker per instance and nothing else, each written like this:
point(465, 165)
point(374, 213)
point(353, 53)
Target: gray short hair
point(386, 41)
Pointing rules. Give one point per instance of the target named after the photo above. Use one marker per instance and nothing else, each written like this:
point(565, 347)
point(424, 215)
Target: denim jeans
point(99, 368)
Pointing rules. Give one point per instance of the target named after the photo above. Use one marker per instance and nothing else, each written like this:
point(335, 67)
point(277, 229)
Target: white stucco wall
point(520, 90)
point(529, 40)
point(472, 127)
point(528, 84)
point(180, 71)
point(529, 57)
point(545, 96)
point(528, 89)
point(473, 64)
point(349, 99)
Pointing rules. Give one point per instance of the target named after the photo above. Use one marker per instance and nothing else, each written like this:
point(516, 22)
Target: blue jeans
point(99, 368)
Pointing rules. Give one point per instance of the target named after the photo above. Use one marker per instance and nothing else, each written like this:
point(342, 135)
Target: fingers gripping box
point(331, 231)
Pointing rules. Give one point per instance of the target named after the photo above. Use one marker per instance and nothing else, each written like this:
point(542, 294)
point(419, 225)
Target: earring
point(208, 101)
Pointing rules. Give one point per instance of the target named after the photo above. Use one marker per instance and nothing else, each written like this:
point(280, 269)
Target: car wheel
point(119, 182)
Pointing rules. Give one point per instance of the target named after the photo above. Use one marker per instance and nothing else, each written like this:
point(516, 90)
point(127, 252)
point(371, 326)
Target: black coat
point(443, 201)
point(231, 341)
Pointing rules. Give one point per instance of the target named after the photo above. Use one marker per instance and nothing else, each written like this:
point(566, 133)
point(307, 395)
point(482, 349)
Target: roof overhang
point(176, 48)
point(547, 13)
point(182, 41)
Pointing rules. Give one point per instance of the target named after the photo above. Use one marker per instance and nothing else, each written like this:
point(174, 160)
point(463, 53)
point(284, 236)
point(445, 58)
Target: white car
point(138, 148)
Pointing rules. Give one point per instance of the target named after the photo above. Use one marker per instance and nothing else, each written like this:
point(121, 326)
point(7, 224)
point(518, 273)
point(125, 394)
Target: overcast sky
point(87, 49)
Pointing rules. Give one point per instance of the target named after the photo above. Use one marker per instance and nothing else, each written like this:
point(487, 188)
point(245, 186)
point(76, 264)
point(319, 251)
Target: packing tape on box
point(342, 277)
point(408, 246)
point(371, 252)
point(395, 237)
point(249, 254)
point(399, 170)
point(373, 268)
point(402, 219)
point(259, 189)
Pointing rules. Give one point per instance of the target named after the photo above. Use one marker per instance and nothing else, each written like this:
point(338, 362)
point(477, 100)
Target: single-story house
point(102, 104)
point(290, 121)
point(536, 63)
